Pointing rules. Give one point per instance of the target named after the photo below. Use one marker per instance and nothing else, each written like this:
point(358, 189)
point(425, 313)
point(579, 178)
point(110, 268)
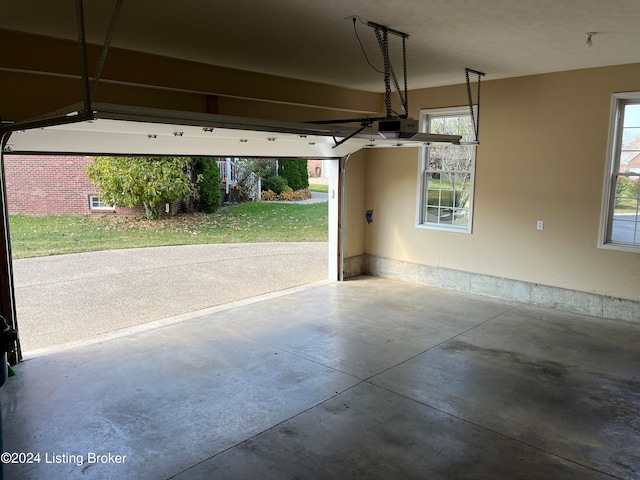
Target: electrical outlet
point(540, 225)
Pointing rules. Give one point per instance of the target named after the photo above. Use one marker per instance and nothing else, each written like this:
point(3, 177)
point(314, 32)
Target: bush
point(269, 196)
point(294, 196)
point(208, 181)
point(287, 195)
point(152, 181)
point(295, 171)
point(275, 184)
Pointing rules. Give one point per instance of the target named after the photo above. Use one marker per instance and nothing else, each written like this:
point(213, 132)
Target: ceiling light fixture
point(178, 134)
point(589, 36)
point(152, 135)
point(207, 129)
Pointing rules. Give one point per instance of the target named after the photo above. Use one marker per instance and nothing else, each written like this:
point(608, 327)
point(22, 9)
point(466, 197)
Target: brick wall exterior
point(314, 167)
point(55, 185)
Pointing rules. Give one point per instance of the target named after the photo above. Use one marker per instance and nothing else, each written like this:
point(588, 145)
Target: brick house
point(315, 168)
point(56, 185)
point(59, 185)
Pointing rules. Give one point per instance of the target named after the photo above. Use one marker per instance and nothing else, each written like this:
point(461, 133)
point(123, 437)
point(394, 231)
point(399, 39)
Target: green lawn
point(245, 223)
point(319, 188)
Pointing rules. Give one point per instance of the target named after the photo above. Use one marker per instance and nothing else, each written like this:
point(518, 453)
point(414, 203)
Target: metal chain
point(476, 123)
point(406, 89)
point(470, 102)
point(383, 43)
point(478, 113)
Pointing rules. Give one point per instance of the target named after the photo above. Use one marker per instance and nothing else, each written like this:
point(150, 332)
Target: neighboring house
point(315, 168)
point(630, 157)
point(57, 185)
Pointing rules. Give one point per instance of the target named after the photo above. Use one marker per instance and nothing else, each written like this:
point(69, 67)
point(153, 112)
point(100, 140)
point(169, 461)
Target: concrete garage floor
point(369, 379)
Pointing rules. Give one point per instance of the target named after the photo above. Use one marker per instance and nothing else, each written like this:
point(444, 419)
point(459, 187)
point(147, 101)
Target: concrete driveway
point(71, 298)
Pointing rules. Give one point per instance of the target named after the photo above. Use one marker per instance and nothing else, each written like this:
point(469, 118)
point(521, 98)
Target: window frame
point(614, 146)
point(425, 116)
point(104, 206)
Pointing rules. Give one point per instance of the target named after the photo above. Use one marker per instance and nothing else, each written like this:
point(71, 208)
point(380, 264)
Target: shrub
point(294, 196)
point(287, 195)
point(152, 181)
point(208, 181)
point(304, 194)
point(275, 184)
point(269, 196)
point(295, 171)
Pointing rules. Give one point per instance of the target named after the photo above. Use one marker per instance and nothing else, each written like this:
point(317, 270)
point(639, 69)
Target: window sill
point(621, 247)
point(444, 228)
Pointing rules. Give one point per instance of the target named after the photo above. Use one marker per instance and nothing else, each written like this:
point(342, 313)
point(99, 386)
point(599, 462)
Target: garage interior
point(501, 350)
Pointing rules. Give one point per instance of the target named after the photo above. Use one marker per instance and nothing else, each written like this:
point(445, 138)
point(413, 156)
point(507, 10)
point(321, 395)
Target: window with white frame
point(620, 225)
point(447, 172)
point(96, 203)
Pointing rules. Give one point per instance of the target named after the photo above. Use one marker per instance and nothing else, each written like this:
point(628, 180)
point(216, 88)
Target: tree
point(295, 171)
point(452, 164)
point(208, 179)
point(152, 181)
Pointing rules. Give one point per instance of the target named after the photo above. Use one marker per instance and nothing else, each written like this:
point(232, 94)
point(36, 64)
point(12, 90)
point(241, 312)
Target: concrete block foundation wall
point(601, 306)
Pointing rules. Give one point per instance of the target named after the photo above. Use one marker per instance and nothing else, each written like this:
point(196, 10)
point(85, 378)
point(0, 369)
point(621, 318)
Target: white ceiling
point(311, 40)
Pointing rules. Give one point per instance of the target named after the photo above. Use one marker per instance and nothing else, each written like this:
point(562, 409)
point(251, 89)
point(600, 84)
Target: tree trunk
point(151, 211)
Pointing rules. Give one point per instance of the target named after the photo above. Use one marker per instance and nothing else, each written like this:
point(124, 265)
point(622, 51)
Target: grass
point(319, 188)
point(245, 223)
point(625, 205)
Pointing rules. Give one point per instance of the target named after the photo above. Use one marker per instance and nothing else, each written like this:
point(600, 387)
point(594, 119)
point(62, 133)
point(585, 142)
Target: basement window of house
point(96, 203)
point(447, 172)
point(620, 223)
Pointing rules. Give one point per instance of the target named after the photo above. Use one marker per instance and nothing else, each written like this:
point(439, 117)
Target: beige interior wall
point(354, 221)
point(542, 157)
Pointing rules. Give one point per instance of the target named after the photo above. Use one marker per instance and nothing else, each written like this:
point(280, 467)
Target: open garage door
point(126, 131)
point(118, 130)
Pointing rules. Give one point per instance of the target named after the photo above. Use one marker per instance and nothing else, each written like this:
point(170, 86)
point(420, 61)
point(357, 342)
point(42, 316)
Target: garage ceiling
point(311, 40)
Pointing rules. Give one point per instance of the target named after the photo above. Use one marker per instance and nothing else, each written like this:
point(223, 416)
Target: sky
point(632, 115)
point(631, 123)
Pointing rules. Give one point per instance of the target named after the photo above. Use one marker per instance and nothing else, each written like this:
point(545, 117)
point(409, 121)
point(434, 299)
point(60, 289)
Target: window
point(96, 203)
point(447, 172)
point(620, 225)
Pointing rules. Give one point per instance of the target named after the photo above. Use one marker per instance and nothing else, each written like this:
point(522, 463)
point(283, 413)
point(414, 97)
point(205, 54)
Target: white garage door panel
point(122, 130)
point(115, 137)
